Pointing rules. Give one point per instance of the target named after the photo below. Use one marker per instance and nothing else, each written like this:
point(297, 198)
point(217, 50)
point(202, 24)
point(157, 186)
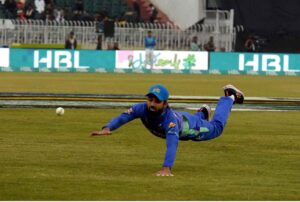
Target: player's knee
point(219, 127)
point(215, 132)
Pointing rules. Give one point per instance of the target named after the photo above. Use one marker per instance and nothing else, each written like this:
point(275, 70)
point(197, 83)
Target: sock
point(232, 97)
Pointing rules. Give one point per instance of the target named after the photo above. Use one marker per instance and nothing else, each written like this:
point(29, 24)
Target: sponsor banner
point(61, 60)
point(4, 61)
point(163, 60)
point(256, 63)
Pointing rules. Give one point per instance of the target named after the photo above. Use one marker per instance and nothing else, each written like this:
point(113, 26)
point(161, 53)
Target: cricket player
point(150, 44)
point(162, 121)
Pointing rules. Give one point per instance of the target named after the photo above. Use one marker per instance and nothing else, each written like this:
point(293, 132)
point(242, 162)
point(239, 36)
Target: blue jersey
point(170, 125)
point(174, 125)
point(150, 42)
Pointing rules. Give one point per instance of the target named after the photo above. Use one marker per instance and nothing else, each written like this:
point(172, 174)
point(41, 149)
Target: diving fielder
point(162, 121)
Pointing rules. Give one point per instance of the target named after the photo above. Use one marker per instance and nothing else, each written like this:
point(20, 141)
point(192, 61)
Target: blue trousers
point(214, 128)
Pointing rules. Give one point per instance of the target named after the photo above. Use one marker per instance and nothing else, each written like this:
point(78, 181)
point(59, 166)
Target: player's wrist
point(105, 127)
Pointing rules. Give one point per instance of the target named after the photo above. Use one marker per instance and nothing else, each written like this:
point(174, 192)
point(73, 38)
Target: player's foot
point(206, 111)
point(232, 90)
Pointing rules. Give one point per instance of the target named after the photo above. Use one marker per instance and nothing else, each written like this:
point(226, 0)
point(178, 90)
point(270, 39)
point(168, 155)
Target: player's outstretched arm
point(104, 131)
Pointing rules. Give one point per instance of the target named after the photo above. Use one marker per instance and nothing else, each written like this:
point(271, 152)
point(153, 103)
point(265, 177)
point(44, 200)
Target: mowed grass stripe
point(178, 84)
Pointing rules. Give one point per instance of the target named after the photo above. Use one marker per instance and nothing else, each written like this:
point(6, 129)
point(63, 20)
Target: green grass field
point(46, 157)
point(178, 84)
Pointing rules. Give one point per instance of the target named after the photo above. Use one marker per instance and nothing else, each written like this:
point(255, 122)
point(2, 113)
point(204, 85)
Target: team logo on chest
point(172, 125)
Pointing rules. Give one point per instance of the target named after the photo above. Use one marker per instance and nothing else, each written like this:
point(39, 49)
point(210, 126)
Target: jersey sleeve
point(154, 42)
point(134, 112)
point(172, 138)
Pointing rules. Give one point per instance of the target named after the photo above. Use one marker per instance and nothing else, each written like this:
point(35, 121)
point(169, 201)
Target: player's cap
point(159, 91)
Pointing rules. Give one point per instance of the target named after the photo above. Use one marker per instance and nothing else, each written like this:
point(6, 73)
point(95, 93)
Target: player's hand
point(104, 131)
point(165, 171)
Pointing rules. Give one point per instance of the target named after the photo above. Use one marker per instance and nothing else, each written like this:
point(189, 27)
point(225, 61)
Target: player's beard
point(154, 112)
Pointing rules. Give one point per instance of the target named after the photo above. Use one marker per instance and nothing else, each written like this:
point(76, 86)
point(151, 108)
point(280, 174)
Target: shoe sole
point(237, 93)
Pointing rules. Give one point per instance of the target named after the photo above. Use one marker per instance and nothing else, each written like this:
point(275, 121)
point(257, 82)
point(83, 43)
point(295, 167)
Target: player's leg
point(151, 58)
point(147, 57)
point(214, 128)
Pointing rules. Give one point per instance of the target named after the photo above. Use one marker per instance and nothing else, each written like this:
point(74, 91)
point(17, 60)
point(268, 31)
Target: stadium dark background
point(276, 23)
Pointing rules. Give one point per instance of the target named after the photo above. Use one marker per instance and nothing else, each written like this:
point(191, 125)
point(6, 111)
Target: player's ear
point(165, 103)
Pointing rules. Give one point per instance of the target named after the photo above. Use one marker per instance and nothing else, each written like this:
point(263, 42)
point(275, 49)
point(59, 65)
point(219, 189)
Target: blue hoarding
point(61, 60)
point(255, 63)
point(41, 60)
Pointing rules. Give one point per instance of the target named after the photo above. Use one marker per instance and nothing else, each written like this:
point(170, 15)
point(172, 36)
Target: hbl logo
point(266, 62)
point(58, 59)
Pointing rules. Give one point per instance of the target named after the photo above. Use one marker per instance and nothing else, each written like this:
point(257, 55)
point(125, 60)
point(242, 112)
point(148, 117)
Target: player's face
point(155, 105)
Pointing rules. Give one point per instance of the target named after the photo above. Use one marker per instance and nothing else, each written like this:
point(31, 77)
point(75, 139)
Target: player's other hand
point(165, 171)
point(104, 131)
